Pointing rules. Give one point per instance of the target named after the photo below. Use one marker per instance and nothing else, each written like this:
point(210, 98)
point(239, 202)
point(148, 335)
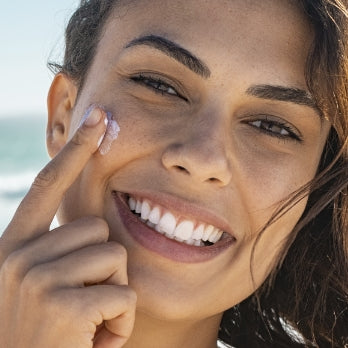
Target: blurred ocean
point(22, 155)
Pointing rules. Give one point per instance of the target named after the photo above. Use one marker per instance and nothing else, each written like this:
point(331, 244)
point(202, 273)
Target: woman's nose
point(202, 155)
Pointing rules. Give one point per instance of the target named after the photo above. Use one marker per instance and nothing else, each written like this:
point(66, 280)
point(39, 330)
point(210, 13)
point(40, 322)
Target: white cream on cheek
point(111, 134)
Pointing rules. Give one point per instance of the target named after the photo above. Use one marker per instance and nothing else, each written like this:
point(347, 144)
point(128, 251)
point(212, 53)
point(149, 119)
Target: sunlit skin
point(198, 141)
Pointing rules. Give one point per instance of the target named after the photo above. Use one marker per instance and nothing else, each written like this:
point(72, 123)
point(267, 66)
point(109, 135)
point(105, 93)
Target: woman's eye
point(275, 128)
point(157, 85)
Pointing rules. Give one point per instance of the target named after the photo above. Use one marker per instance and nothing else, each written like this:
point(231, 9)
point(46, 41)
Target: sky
point(31, 33)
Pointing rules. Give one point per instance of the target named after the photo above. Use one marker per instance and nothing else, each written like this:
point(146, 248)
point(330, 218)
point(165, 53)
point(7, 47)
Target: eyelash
point(283, 130)
point(157, 85)
point(265, 125)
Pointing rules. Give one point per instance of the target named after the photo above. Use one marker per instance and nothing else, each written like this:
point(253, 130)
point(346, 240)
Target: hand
point(57, 287)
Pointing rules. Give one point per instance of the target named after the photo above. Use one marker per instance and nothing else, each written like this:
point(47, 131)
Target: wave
point(14, 186)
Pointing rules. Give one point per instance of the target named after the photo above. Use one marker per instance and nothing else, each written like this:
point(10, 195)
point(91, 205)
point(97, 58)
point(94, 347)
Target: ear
point(60, 103)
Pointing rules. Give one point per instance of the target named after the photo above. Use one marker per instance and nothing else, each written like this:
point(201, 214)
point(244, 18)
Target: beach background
point(31, 33)
point(22, 154)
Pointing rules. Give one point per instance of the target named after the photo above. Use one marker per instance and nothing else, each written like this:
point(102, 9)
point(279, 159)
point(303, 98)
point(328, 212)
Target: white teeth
point(155, 215)
point(198, 243)
point(198, 232)
point(190, 241)
point(167, 223)
point(132, 203)
point(158, 230)
point(138, 207)
point(171, 236)
point(213, 235)
point(145, 210)
point(218, 237)
point(184, 230)
point(207, 232)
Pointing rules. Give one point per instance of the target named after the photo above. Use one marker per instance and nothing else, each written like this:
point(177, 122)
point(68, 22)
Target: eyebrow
point(263, 91)
point(174, 51)
point(286, 94)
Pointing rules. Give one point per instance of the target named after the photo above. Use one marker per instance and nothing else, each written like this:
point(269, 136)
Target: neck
point(149, 332)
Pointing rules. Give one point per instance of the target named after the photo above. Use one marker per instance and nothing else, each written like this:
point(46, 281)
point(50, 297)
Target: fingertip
point(92, 116)
point(93, 125)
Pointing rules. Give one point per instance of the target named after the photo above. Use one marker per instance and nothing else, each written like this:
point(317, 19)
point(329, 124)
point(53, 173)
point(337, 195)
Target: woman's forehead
point(198, 21)
point(274, 33)
point(189, 9)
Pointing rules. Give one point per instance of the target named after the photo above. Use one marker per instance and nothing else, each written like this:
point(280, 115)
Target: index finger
point(36, 211)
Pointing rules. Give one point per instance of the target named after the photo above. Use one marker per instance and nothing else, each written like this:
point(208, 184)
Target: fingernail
point(91, 117)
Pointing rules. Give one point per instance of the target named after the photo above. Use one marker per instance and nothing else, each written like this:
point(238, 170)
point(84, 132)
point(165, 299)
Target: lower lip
point(168, 248)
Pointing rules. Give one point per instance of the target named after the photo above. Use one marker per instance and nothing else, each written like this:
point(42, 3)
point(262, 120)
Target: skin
point(228, 166)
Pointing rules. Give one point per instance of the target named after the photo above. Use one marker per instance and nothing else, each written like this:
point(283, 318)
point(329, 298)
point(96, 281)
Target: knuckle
point(79, 137)
point(53, 302)
point(36, 279)
point(101, 224)
point(118, 251)
point(98, 225)
point(46, 177)
point(130, 297)
point(13, 268)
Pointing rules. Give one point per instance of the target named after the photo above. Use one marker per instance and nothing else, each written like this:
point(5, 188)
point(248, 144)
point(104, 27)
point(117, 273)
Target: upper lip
point(184, 208)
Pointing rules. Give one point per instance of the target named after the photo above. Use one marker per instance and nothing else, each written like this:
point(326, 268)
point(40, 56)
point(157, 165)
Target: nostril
point(213, 180)
point(182, 169)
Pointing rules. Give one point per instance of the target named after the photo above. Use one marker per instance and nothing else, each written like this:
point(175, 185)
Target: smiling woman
point(215, 209)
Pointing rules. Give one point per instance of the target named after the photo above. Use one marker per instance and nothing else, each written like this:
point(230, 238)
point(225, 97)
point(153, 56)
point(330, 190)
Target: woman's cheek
point(142, 133)
point(265, 181)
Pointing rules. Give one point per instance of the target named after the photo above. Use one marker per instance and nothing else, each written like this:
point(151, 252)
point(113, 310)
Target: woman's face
point(217, 129)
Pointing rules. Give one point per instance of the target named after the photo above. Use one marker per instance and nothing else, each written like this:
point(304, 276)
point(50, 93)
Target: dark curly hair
point(304, 302)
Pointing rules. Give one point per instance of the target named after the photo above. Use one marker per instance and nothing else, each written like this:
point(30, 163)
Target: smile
point(173, 226)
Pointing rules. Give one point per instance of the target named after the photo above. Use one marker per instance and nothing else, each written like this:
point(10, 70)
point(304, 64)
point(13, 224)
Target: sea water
point(22, 155)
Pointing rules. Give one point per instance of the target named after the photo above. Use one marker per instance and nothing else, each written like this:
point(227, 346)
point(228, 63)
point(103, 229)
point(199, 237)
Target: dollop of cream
point(111, 134)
